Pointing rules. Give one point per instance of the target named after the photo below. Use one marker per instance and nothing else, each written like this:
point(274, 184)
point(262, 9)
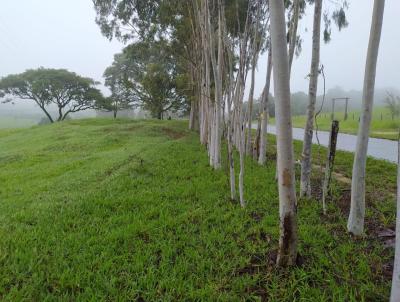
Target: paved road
point(377, 148)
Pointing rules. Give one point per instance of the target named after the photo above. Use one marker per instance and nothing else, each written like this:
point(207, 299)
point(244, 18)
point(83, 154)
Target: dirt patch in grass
point(173, 134)
point(343, 202)
point(259, 236)
point(256, 216)
point(316, 188)
point(119, 165)
point(117, 128)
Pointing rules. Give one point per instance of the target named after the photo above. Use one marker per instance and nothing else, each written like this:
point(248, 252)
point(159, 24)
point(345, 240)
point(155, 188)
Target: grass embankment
point(382, 126)
point(130, 210)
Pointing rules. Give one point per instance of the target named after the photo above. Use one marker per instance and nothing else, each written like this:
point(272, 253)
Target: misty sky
point(63, 34)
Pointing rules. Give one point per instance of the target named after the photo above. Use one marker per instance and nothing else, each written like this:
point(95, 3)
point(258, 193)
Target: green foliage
point(95, 210)
point(126, 19)
point(116, 79)
point(339, 18)
point(67, 90)
point(145, 75)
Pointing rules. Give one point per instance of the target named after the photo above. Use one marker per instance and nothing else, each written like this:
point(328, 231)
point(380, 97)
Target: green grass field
point(102, 210)
point(382, 126)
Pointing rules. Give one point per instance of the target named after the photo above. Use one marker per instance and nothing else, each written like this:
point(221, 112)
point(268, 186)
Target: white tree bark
point(293, 32)
point(355, 224)
point(306, 166)
point(264, 114)
point(250, 106)
point(286, 181)
point(395, 293)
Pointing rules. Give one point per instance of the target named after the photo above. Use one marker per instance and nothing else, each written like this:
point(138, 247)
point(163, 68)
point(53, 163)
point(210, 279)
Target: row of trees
point(216, 46)
point(142, 76)
point(201, 52)
point(145, 75)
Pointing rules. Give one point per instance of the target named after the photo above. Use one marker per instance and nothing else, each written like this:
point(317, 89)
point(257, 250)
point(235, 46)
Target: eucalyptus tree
point(340, 19)
point(265, 112)
point(64, 90)
point(214, 44)
point(285, 163)
point(305, 185)
point(355, 224)
point(293, 31)
point(258, 33)
point(128, 20)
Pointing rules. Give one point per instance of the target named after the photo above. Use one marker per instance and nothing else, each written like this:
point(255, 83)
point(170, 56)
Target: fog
point(344, 57)
point(63, 34)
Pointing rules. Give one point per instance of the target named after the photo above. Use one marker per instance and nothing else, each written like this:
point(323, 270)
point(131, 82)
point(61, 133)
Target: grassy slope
point(129, 210)
point(382, 125)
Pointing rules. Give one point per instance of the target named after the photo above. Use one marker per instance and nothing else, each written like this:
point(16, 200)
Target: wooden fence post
point(330, 162)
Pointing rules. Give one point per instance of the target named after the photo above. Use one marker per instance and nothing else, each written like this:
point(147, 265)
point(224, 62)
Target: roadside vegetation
point(383, 124)
point(172, 233)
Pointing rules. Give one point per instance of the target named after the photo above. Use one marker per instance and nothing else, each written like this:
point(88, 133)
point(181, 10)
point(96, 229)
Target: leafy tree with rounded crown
point(66, 90)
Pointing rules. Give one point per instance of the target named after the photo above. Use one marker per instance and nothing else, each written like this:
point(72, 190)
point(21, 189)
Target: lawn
point(382, 126)
point(102, 210)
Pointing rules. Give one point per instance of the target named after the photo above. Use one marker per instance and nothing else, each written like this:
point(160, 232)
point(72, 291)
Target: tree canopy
point(145, 75)
point(65, 90)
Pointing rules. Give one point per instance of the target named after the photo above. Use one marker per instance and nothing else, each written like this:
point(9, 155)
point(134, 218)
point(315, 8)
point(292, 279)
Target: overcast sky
point(63, 34)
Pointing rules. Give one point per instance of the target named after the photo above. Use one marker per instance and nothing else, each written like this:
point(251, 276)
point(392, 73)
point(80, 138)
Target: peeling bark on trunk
point(355, 224)
point(306, 165)
point(286, 182)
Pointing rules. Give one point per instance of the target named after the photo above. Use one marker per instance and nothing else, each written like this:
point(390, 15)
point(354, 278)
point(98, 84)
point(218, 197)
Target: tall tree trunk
point(250, 106)
point(306, 166)
point(395, 294)
point(241, 159)
point(293, 32)
point(264, 113)
point(191, 115)
point(355, 224)
point(286, 181)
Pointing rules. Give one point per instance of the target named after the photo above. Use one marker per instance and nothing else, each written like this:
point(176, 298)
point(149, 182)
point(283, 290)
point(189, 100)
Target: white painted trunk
point(264, 114)
point(306, 165)
point(286, 179)
point(395, 293)
point(355, 224)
